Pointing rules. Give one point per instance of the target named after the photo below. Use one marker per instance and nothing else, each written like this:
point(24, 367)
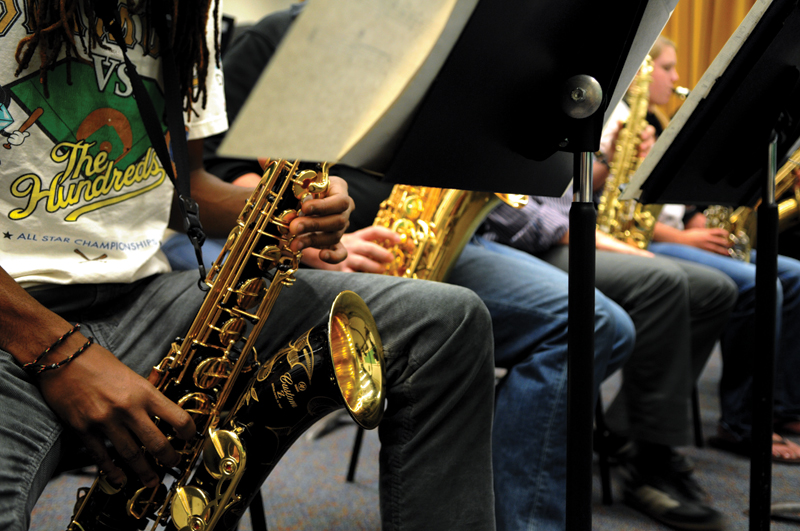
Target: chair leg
point(258, 518)
point(696, 420)
point(351, 470)
point(605, 472)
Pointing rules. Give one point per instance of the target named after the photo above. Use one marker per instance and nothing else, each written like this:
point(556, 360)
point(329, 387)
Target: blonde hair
point(659, 45)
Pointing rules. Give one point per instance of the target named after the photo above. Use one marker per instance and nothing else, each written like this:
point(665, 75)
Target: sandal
point(783, 450)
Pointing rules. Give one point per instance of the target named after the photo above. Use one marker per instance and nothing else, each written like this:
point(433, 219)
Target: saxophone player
point(678, 310)
point(527, 300)
point(88, 303)
point(686, 237)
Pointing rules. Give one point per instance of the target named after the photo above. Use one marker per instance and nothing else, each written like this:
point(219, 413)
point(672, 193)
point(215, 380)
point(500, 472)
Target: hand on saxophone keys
point(101, 398)
point(323, 221)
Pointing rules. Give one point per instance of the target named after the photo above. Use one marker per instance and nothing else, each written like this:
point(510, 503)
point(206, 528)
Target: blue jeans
point(435, 458)
point(739, 348)
point(527, 299)
point(181, 255)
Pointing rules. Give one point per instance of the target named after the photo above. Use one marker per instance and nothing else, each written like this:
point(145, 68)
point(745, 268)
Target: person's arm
point(605, 242)
point(534, 228)
point(713, 240)
point(95, 394)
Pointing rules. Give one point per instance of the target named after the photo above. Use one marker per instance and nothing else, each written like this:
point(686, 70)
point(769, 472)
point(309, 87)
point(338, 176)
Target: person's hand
point(605, 242)
point(697, 221)
point(647, 139)
point(364, 251)
point(323, 222)
point(99, 397)
point(714, 240)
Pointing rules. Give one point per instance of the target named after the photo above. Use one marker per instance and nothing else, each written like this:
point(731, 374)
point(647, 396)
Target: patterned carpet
point(308, 491)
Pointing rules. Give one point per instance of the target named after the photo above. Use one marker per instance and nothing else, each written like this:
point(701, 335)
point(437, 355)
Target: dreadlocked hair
point(54, 25)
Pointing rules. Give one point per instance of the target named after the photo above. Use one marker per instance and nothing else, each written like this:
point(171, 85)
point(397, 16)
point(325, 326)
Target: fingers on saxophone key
point(102, 459)
point(133, 455)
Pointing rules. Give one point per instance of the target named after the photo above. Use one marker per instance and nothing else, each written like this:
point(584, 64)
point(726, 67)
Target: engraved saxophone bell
point(357, 356)
point(336, 364)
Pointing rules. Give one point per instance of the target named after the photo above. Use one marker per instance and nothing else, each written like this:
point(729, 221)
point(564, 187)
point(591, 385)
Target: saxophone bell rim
point(352, 323)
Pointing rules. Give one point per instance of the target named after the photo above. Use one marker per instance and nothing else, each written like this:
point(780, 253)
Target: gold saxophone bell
point(357, 357)
point(434, 225)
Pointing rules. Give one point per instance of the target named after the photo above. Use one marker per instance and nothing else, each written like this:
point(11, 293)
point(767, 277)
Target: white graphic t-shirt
point(83, 197)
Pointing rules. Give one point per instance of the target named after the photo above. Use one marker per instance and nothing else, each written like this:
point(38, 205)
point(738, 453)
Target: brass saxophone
point(740, 222)
point(434, 225)
point(629, 221)
point(247, 411)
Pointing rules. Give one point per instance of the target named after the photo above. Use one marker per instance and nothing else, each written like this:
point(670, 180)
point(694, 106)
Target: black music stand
point(518, 106)
point(518, 93)
point(746, 105)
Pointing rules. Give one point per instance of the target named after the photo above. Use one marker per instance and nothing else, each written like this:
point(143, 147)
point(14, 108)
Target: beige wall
point(249, 11)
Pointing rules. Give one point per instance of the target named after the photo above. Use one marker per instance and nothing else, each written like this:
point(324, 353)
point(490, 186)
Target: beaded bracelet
point(75, 328)
point(35, 367)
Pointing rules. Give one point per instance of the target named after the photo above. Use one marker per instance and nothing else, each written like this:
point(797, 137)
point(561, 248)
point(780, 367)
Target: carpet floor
point(308, 491)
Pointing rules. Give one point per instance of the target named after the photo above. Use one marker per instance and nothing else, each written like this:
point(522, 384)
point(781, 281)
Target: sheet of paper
point(339, 69)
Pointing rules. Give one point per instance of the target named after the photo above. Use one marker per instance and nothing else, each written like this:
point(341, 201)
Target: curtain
point(699, 29)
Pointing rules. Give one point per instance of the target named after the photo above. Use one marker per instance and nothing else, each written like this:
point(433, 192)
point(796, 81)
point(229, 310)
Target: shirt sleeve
point(212, 119)
point(535, 228)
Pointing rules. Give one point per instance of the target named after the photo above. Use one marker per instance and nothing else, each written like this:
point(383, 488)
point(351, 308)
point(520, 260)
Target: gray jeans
point(435, 459)
point(679, 309)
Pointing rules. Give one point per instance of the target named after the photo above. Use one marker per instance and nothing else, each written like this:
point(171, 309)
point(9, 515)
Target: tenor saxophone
point(434, 225)
point(248, 411)
point(629, 221)
point(740, 222)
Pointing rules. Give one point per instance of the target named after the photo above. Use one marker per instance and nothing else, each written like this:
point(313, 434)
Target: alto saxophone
point(629, 221)
point(740, 222)
point(247, 411)
point(434, 225)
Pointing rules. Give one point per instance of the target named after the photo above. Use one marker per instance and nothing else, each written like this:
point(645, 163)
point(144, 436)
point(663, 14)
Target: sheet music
point(340, 67)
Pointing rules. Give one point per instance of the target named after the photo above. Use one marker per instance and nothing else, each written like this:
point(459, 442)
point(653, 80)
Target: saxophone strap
point(179, 152)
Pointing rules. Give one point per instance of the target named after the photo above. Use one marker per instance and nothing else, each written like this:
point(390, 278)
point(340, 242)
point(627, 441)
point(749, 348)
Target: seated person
point(678, 309)
point(527, 300)
point(709, 247)
point(100, 267)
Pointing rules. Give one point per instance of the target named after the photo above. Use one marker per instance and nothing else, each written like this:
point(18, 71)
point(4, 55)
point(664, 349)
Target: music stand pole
point(764, 366)
point(582, 219)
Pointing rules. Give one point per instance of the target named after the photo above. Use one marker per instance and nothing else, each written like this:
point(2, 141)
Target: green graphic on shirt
point(99, 141)
point(83, 112)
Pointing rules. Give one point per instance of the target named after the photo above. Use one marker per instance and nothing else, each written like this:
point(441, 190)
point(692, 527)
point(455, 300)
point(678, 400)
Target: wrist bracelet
point(75, 328)
point(35, 367)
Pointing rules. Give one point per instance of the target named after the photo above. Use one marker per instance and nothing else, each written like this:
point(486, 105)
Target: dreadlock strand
point(66, 15)
point(217, 52)
point(52, 23)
